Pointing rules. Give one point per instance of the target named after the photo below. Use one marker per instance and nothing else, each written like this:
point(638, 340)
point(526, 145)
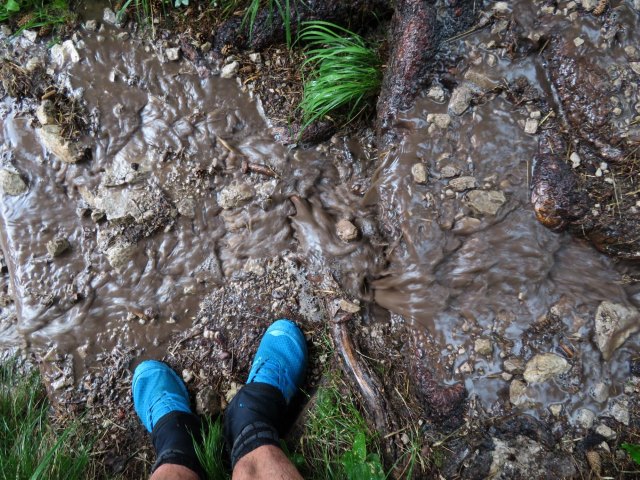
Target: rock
point(33, 64)
point(635, 66)
point(419, 173)
point(208, 402)
point(441, 120)
point(518, 393)
point(57, 246)
point(486, 202)
point(460, 99)
point(120, 254)
point(636, 5)
point(619, 410)
point(230, 70)
point(606, 432)
point(461, 184)
point(483, 82)
point(589, 5)
point(173, 54)
point(614, 323)
point(483, 346)
point(555, 409)
point(30, 35)
point(234, 387)
point(91, 25)
point(187, 375)
point(254, 266)
point(449, 172)
point(64, 53)
point(187, 207)
point(348, 306)
point(109, 16)
point(575, 160)
point(584, 418)
point(123, 36)
point(578, 41)
point(206, 47)
point(513, 365)
point(531, 126)
point(346, 230)
point(235, 195)
point(12, 183)
point(599, 392)
point(467, 226)
point(63, 149)
point(436, 93)
point(44, 113)
point(544, 366)
point(255, 57)
point(501, 7)
point(466, 368)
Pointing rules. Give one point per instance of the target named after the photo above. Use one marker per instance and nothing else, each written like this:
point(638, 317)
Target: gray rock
point(599, 392)
point(255, 57)
point(65, 150)
point(230, 70)
point(518, 394)
point(120, 254)
point(208, 402)
point(441, 120)
point(461, 184)
point(460, 99)
point(544, 366)
point(57, 246)
point(606, 432)
point(619, 410)
point(584, 418)
point(346, 230)
point(513, 365)
point(187, 207)
point(235, 195)
point(636, 5)
point(12, 183)
point(109, 16)
point(91, 25)
point(449, 171)
point(173, 54)
point(467, 226)
point(483, 82)
point(30, 35)
point(486, 202)
point(483, 346)
point(555, 409)
point(436, 93)
point(64, 53)
point(614, 324)
point(635, 66)
point(419, 173)
point(589, 5)
point(44, 113)
point(531, 126)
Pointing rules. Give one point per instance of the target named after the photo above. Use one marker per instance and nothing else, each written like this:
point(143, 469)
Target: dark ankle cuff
point(251, 437)
point(173, 438)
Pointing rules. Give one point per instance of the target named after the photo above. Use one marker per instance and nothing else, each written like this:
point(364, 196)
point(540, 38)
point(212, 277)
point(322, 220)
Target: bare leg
point(267, 462)
point(170, 471)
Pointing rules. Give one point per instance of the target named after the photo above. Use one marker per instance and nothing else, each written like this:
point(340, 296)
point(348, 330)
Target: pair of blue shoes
point(280, 361)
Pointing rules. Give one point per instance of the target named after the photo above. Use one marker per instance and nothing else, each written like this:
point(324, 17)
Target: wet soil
point(190, 228)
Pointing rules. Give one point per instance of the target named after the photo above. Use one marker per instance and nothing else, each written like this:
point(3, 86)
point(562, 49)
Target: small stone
point(57, 246)
point(620, 411)
point(483, 346)
point(109, 16)
point(545, 366)
point(589, 5)
point(518, 393)
point(97, 215)
point(230, 70)
point(537, 114)
point(187, 375)
point(501, 7)
point(53, 140)
point(575, 160)
point(606, 432)
point(12, 183)
point(506, 376)
point(419, 173)
point(173, 54)
point(44, 113)
point(578, 41)
point(120, 254)
point(599, 392)
point(187, 207)
point(208, 402)
point(513, 365)
point(466, 368)
point(235, 195)
point(531, 126)
point(614, 323)
point(467, 225)
point(555, 409)
point(123, 36)
point(346, 230)
point(449, 172)
point(584, 418)
point(405, 439)
point(64, 53)
point(460, 99)
point(348, 306)
point(482, 81)
point(30, 35)
point(635, 66)
point(486, 202)
point(91, 25)
point(461, 184)
point(255, 57)
point(441, 120)
point(234, 388)
point(206, 47)
point(436, 93)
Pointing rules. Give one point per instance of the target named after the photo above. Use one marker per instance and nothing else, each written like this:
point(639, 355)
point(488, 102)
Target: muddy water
point(454, 273)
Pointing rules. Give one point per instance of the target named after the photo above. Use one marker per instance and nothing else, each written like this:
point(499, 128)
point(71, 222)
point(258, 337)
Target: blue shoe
point(157, 391)
point(281, 359)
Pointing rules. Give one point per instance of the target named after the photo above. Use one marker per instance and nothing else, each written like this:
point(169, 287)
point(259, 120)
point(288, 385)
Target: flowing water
point(454, 274)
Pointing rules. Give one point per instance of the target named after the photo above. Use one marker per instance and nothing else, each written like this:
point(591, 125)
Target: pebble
point(584, 418)
point(436, 93)
point(518, 393)
point(555, 409)
point(187, 375)
point(635, 66)
point(109, 16)
point(620, 411)
point(578, 41)
point(255, 57)
point(235, 195)
point(30, 35)
point(531, 126)
point(486, 202)
point(513, 365)
point(483, 346)
point(57, 246)
point(206, 47)
point(441, 120)
point(208, 402)
point(91, 25)
point(606, 432)
point(449, 172)
point(466, 368)
point(545, 366)
point(461, 184)
point(614, 323)
point(64, 53)
point(12, 183)
point(346, 230)
point(419, 173)
point(589, 5)
point(575, 160)
point(173, 54)
point(599, 392)
point(460, 99)
point(230, 70)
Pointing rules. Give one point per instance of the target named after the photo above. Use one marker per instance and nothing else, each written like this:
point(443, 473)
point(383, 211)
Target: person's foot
point(157, 391)
point(281, 359)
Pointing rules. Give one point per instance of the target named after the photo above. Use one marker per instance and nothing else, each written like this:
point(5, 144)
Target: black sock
point(255, 417)
point(173, 439)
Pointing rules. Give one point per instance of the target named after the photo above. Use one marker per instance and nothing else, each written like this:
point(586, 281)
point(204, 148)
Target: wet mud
point(188, 228)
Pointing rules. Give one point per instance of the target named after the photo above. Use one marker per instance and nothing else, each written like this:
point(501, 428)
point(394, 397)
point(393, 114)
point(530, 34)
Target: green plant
point(282, 6)
point(633, 450)
point(36, 13)
point(360, 465)
point(346, 72)
point(29, 447)
point(211, 451)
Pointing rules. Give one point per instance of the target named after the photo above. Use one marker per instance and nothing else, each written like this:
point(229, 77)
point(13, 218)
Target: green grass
point(346, 73)
point(211, 451)
point(283, 7)
point(29, 447)
point(36, 13)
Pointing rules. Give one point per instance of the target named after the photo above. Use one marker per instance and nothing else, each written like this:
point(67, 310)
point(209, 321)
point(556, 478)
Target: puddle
point(167, 151)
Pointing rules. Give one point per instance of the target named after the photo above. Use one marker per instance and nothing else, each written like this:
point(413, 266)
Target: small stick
point(249, 167)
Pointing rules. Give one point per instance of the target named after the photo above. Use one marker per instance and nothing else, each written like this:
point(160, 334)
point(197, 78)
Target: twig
point(249, 167)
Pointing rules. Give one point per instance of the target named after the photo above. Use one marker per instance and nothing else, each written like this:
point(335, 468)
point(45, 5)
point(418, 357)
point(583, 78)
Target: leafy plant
point(633, 450)
point(360, 465)
point(346, 72)
point(36, 13)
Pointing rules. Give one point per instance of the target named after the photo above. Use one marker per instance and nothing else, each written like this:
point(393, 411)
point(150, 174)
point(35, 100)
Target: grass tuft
point(283, 8)
point(31, 14)
point(29, 446)
point(346, 72)
point(211, 451)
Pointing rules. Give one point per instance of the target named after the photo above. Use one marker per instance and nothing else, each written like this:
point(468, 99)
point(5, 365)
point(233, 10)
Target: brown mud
point(189, 228)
